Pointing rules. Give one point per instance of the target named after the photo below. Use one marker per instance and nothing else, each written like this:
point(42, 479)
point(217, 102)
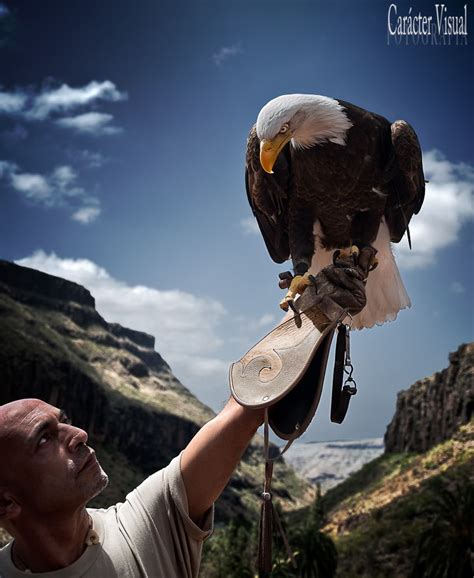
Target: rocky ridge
point(433, 408)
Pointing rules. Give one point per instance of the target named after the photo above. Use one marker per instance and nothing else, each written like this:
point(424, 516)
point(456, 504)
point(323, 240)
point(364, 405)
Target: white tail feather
point(386, 294)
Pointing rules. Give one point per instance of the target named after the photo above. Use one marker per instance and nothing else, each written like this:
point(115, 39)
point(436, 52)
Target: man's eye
point(44, 439)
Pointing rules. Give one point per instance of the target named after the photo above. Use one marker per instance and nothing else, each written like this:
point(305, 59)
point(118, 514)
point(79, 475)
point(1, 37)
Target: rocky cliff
point(55, 346)
point(384, 516)
point(432, 409)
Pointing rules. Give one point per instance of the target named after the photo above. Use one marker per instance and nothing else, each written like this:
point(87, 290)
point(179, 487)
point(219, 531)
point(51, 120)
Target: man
point(48, 474)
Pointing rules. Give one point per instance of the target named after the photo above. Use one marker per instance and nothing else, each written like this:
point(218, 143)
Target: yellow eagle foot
point(365, 257)
point(347, 252)
point(297, 286)
point(373, 263)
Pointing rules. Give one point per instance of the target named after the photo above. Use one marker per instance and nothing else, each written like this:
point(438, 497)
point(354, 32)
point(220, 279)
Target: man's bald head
point(17, 412)
point(14, 417)
point(45, 463)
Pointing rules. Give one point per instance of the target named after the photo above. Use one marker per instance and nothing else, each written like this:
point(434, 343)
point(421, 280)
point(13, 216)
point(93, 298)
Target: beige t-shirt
point(150, 535)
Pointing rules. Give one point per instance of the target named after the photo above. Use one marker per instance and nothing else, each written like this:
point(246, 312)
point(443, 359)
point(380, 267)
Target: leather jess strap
point(268, 514)
point(341, 394)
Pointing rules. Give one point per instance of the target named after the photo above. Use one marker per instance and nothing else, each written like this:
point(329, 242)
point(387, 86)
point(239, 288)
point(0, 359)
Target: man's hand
point(212, 455)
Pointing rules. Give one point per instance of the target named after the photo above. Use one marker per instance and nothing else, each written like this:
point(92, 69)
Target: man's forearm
point(212, 455)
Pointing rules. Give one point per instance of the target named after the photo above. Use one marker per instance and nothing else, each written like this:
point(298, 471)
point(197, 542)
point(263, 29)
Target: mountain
point(410, 512)
point(330, 463)
point(432, 409)
point(55, 346)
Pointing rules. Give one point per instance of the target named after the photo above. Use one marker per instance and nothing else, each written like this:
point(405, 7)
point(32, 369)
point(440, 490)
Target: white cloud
point(64, 176)
point(53, 102)
point(97, 123)
point(58, 189)
point(31, 186)
point(86, 215)
point(186, 327)
point(6, 168)
point(265, 320)
point(250, 326)
point(65, 98)
point(225, 53)
point(249, 226)
point(457, 287)
point(192, 367)
point(12, 102)
point(448, 205)
point(90, 159)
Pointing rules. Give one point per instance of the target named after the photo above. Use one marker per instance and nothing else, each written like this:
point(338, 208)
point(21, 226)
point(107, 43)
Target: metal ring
point(351, 390)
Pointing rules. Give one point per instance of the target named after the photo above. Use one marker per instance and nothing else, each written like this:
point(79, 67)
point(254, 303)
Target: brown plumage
point(345, 168)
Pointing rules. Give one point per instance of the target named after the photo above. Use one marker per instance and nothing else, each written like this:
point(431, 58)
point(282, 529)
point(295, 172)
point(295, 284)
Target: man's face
point(46, 463)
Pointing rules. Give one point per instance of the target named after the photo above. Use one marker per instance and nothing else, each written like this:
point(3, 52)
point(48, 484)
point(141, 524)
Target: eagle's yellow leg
point(297, 287)
point(349, 252)
point(354, 252)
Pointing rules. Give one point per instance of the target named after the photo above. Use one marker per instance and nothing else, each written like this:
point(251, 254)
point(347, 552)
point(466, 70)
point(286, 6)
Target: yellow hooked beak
point(270, 149)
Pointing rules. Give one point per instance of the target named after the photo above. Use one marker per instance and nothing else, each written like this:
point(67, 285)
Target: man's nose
point(76, 437)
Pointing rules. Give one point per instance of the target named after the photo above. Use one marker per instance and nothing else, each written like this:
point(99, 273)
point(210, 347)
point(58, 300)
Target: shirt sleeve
point(170, 482)
point(154, 520)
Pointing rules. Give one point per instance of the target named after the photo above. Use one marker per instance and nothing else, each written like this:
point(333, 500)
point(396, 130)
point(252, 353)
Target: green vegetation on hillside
point(232, 552)
point(400, 516)
point(387, 518)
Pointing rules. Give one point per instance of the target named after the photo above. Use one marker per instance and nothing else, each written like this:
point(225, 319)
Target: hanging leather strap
point(267, 512)
point(266, 525)
point(341, 395)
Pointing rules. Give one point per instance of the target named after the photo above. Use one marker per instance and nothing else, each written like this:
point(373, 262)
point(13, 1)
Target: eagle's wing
point(407, 188)
point(268, 197)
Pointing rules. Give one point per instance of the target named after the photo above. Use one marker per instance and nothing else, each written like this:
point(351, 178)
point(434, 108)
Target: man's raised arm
point(212, 455)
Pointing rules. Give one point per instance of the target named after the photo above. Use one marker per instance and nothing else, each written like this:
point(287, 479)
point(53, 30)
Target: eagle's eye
point(284, 128)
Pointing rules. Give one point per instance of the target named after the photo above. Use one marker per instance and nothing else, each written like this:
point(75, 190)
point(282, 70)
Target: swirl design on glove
point(264, 368)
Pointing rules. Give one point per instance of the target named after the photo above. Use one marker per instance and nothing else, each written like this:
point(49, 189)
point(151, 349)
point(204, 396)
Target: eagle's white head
point(305, 119)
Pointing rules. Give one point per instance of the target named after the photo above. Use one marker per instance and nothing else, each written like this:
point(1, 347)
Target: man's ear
point(9, 507)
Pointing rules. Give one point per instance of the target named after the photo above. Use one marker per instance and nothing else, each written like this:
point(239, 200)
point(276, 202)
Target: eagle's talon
point(351, 252)
point(297, 286)
point(285, 275)
point(355, 251)
point(299, 283)
point(285, 279)
point(284, 304)
point(373, 264)
point(312, 278)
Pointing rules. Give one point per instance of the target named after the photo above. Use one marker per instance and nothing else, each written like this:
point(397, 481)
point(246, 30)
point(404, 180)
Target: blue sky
point(123, 131)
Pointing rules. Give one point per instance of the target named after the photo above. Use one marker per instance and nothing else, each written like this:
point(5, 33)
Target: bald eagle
point(323, 174)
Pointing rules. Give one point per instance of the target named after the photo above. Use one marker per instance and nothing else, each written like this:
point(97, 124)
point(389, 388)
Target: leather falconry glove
point(341, 286)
